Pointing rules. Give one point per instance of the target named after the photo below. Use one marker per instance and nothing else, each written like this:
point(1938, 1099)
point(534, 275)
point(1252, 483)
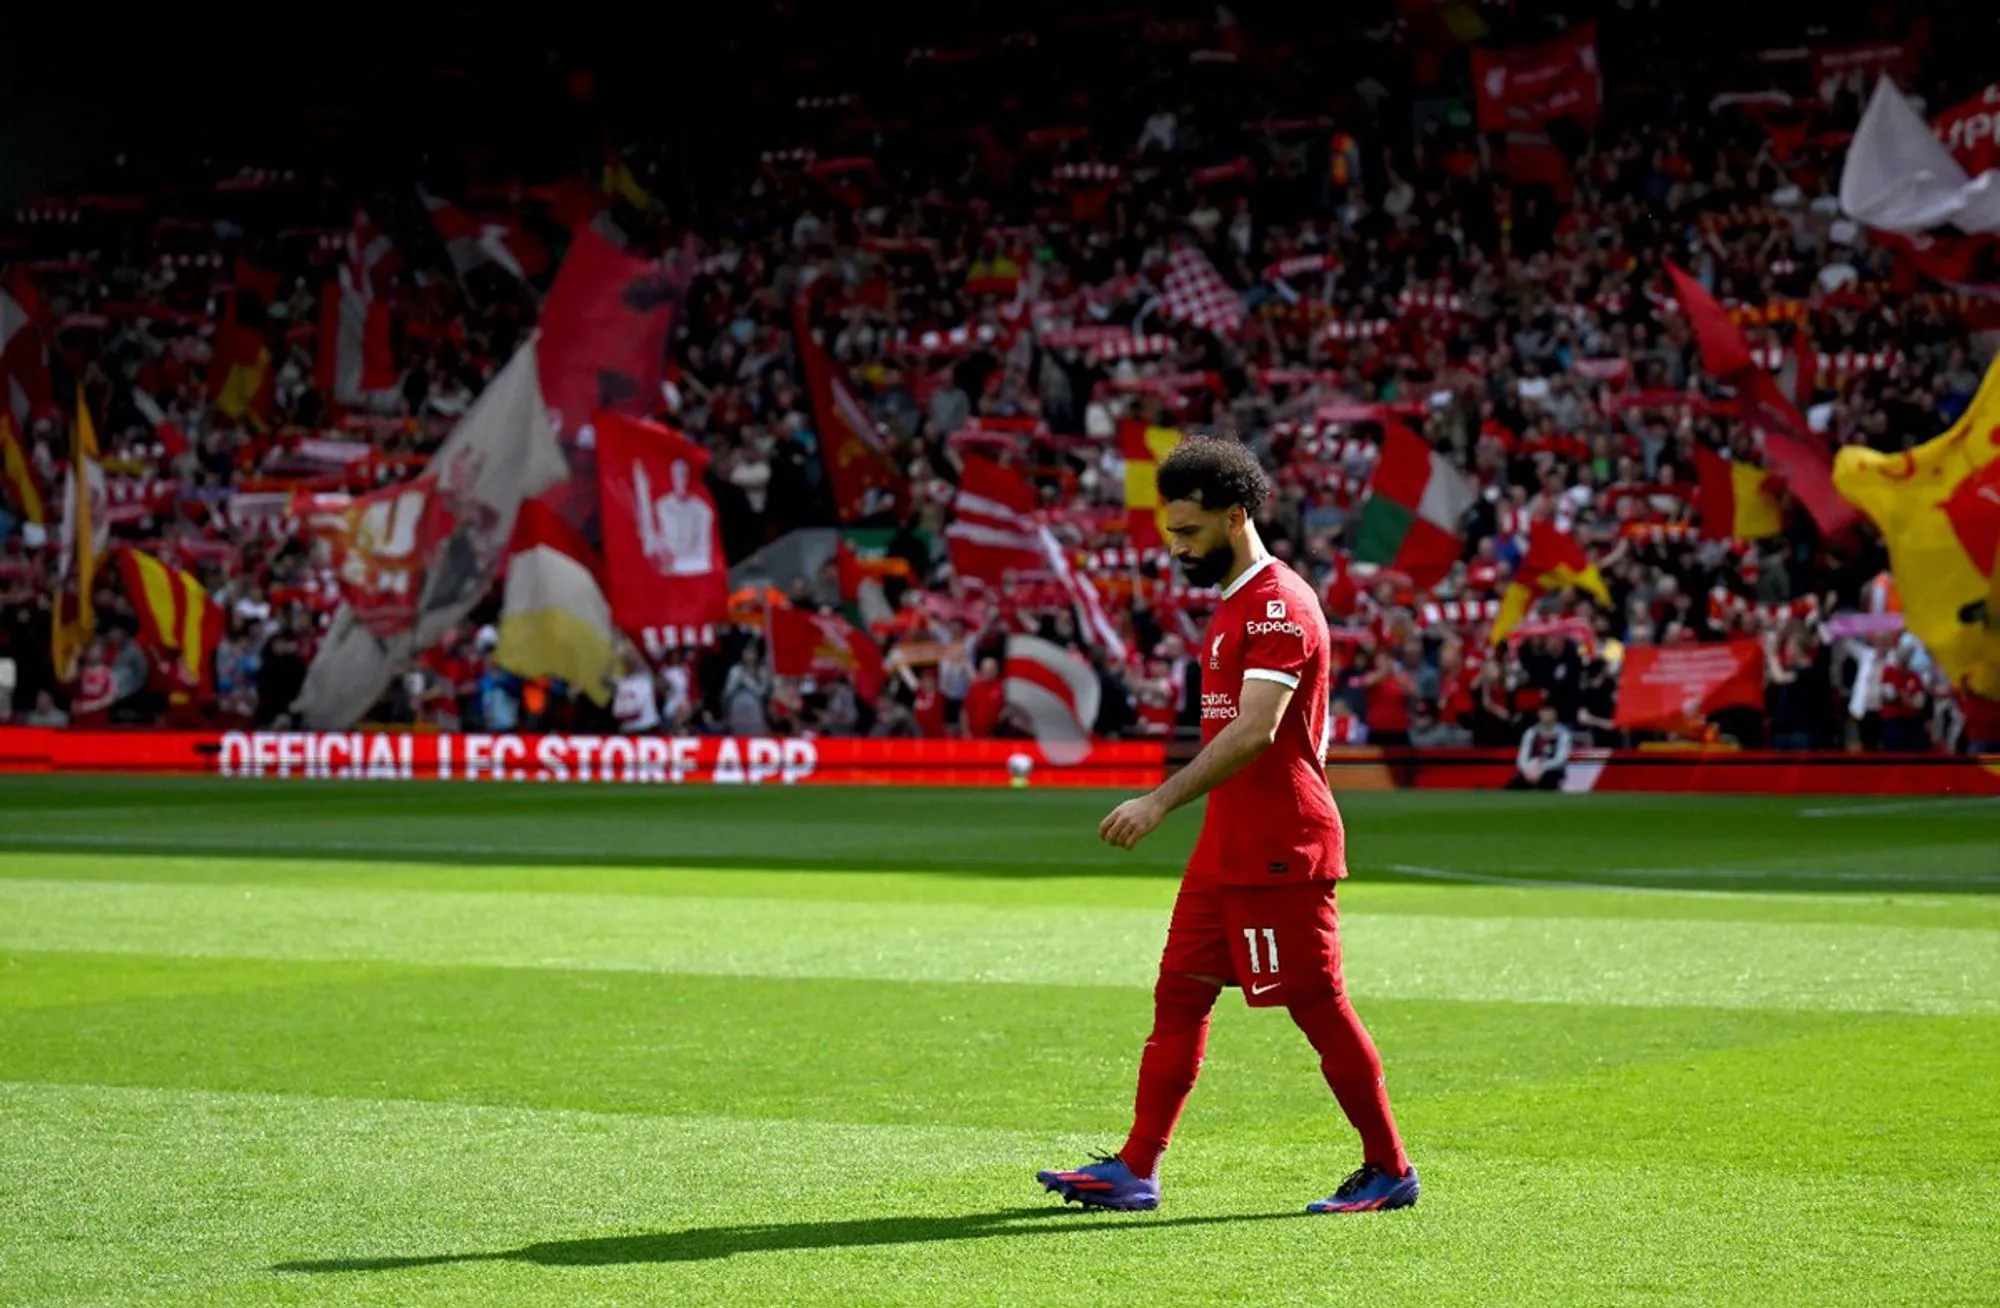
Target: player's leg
point(1168, 1065)
point(1289, 940)
point(1193, 969)
point(1352, 1067)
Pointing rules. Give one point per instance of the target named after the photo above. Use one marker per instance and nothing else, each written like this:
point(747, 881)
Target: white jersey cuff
point(1285, 679)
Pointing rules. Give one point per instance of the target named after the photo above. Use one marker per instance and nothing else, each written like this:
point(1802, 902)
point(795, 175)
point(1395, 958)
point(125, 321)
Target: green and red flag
point(1415, 503)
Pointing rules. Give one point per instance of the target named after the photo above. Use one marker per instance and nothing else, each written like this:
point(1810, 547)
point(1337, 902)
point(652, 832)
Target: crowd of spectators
point(1505, 299)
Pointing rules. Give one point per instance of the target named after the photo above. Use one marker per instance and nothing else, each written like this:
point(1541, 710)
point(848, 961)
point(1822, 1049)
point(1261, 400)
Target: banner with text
point(567, 759)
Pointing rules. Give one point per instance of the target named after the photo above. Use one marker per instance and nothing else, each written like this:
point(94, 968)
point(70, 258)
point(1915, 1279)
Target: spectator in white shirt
point(675, 706)
point(633, 701)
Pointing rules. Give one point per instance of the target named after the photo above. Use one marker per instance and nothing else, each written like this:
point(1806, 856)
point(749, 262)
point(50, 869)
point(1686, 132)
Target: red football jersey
point(1274, 822)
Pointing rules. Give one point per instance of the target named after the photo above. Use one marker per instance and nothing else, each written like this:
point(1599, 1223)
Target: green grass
point(301, 1043)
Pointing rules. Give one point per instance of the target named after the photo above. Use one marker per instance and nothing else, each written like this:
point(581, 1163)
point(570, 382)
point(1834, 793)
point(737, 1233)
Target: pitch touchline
point(1684, 873)
point(1901, 806)
point(319, 846)
point(1528, 883)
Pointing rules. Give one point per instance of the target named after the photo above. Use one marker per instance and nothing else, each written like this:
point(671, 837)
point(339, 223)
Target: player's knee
point(1319, 1014)
point(1180, 999)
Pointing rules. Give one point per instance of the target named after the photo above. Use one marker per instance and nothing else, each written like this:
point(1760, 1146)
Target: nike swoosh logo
point(1269, 985)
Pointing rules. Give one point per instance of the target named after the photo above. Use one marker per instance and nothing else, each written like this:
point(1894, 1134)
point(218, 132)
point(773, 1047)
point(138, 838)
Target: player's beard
point(1205, 570)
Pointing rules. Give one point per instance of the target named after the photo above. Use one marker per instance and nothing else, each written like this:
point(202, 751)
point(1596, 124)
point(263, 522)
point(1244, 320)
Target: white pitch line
point(1685, 873)
point(262, 845)
point(1902, 806)
point(1528, 883)
point(1802, 874)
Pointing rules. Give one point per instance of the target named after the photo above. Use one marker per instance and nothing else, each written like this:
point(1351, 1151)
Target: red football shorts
point(1281, 944)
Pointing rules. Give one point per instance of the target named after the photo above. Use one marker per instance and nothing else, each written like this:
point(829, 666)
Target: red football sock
point(1353, 1071)
point(1168, 1067)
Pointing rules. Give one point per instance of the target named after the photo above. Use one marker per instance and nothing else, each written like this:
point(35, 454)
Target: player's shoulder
point(1278, 592)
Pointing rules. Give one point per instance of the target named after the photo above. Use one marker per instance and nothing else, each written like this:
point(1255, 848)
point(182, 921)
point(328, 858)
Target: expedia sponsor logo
point(1217, 706)
point(1274, 629)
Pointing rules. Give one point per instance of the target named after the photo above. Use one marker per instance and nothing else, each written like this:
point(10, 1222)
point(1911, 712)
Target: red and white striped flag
point(1057, 692)
point(356, 362)
point(996, 537)
point(992, 536)
point(1192, 291)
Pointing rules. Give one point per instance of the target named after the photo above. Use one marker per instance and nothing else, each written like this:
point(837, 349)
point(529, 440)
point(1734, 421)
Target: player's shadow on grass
point(698, 1244)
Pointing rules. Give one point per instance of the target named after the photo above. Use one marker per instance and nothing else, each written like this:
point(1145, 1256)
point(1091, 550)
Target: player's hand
point(1131, 822)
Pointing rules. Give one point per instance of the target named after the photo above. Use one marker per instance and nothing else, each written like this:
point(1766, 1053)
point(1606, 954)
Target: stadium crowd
point(988, 279)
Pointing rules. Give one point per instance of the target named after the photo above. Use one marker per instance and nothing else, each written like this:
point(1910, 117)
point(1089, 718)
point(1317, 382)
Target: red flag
point(1792, 449)
point(25, 391)
point(381, 547)
point(666, 576)
point(1529, 86)
point(824, 645)
point(602, 348)
point(1672, 687)
point(260, 282)
point(472, 242)
point(1971, 131)
point(1724, 352)
point(864, 478)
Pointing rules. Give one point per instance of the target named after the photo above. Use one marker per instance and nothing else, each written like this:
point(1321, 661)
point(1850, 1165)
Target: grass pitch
point(380, 1044)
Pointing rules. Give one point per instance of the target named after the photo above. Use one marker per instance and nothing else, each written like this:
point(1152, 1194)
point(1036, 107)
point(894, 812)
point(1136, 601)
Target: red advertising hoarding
point(778, 761)
point(570, 759)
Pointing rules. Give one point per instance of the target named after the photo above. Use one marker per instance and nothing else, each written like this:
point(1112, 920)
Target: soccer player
point(1256, 906)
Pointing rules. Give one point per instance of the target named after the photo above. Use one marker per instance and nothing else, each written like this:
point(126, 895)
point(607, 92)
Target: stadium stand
point(1275, 233)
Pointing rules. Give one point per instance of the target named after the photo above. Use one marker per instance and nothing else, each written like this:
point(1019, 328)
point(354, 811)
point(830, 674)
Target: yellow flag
point(17, 477)
point(76, 619)
point(1938, 508)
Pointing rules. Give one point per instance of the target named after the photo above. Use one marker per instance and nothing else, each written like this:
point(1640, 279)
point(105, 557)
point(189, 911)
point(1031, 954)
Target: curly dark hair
point(1214, 472)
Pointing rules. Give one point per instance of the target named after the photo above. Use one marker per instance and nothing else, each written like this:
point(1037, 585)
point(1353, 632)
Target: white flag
point(503, 452)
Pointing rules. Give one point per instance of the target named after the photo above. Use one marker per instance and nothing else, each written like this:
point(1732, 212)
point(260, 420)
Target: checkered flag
point(1193, 291)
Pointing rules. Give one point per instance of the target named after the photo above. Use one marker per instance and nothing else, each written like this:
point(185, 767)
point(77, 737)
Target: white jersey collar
point(1248, 573)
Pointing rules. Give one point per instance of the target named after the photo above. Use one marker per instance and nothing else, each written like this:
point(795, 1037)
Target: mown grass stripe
point(1623, 961)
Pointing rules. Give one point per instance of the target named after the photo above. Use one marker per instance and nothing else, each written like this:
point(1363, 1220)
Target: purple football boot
point(1106, 1183)
point(1371, 1189)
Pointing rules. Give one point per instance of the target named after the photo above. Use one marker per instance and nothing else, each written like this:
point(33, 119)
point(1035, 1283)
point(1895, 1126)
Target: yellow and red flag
point(1738, 501)
point(85, 532)
point(178, 623)
point(17, 477)
point(1797, 453)
point(1143, 448)
point(240, 377)
point(1554, 561)
point(1938, 509)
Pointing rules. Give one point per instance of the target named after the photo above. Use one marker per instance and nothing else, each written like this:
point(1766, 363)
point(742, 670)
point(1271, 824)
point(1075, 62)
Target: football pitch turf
point(315, 1043)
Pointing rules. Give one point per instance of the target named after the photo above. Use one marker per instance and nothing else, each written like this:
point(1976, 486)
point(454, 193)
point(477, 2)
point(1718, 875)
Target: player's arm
point(1260, 708)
